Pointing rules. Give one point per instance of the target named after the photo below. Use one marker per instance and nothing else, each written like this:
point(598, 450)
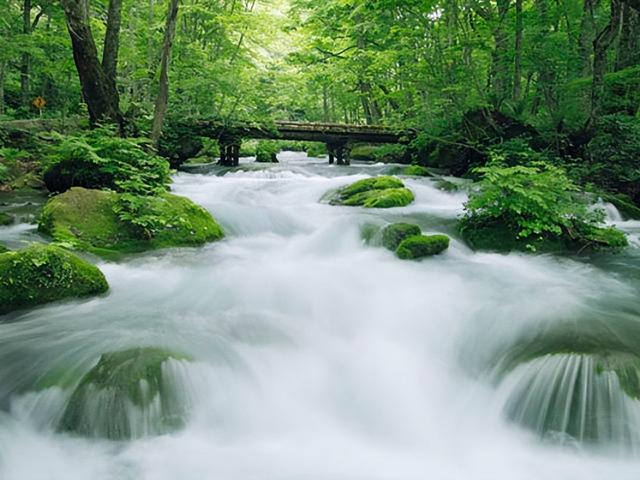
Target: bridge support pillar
point(339, 153)
point(229, 153)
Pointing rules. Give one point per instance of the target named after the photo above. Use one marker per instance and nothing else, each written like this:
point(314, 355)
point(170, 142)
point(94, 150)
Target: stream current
point(318, 356)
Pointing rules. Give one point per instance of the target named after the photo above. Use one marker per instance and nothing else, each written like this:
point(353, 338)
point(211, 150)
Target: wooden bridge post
point(229, 150)
point(332, 153)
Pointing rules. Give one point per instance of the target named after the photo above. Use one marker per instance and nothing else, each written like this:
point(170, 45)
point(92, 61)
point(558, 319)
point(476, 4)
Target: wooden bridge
point(338, 137)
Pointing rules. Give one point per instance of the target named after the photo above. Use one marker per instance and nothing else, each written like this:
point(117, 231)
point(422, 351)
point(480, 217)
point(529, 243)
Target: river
point(318, 356)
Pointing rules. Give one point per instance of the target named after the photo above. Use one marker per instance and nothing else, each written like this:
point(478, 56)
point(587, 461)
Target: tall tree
point(600, 47)
point(25, 66)
point(162, 99)
point(99, 93)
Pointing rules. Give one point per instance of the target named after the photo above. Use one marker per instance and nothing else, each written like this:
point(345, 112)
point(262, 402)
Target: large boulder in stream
point(128, 394)
point(88, 220)
point(379, 192)
point(41, 274)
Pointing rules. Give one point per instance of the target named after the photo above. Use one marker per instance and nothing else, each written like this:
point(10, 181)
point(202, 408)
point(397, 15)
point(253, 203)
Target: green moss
point(499, 237)
point(124, 388)
point(379, 192)
point(624, 204)
point(417, 171)
point(420, 246)
point(394, 234)
point(5, 219)
point(86, 219)
point(42, 274)
point(3, 249)
point(389, 198)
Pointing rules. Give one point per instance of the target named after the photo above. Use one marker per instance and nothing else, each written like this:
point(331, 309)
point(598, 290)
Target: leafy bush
point(532, 206)
point(266, 152)
point(100, 159)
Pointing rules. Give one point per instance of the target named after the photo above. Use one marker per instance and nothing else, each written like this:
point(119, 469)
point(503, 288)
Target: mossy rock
point(86, 219)
point(417, 171)
point(394, 234)
point(6, 219)
point(267, 152)
point(421, 246)
point(624, 204)
point(571, 385)
point(3, 249)
point(126, 395)
point(379, 192)
point(499, 237)
point(41, 274)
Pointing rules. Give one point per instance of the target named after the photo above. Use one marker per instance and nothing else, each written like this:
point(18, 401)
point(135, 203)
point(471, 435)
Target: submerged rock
point(394, 234)
point(5, 219)
point(128, 394)
point(420, 246)
point(41, 274)
point(379, 192)
point(87, 220)
point(417, 171)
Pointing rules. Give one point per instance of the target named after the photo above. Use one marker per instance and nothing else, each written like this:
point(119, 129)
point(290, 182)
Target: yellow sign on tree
point(39, 103)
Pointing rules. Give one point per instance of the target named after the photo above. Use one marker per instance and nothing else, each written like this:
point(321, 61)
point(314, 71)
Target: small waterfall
point(575, 398)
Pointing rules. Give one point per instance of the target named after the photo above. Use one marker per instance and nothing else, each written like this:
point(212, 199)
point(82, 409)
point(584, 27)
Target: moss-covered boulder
point(379, 192)
point(394, 234)
point(499, 237)
point(420, 246)
point(417, 171)
point(41, 274)
point(87, 220)
point(624, 204)
point(128, 394)
point(5, 219)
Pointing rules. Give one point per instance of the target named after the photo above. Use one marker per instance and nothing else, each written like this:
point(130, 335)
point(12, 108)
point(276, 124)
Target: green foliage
point(266, 152)
point(101, 159)
point(119, 382)
point(420, 246)
point(316, 150)
point(394, 234)
point(5, 219)
point(42, 274)
point(92, 220)
point(613, 153)
point(379, 153)
point(529, 204)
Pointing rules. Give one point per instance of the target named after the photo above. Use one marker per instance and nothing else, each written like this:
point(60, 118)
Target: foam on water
point(317, 356)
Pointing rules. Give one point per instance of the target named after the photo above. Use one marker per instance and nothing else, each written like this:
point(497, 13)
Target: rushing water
point(318, 356)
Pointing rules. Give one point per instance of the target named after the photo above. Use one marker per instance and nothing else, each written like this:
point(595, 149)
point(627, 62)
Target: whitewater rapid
point(317, 356)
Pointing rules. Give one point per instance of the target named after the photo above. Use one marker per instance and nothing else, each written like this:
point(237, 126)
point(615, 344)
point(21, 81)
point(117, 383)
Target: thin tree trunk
point(587, 32)
point(102, 101)
point(2, 69)
point(600, 46)
point(517, 67)
point(112, 41)
point(163, 92)
point(25, 63)
point(628, 54)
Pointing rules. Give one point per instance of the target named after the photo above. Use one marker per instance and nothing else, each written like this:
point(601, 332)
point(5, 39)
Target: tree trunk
point(101, 99)
point(163, 92)
point(25, 62)
point(500, 56)
point(2, 69)
point(112, 42)
point(517, 67)
point(600, 46)
point(628, 54)
point(587, 32)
